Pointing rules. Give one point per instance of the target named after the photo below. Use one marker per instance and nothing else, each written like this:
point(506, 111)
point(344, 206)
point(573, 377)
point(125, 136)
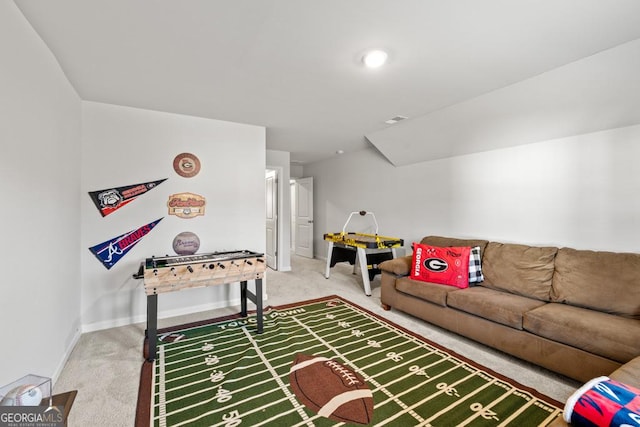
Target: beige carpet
point(105, 365)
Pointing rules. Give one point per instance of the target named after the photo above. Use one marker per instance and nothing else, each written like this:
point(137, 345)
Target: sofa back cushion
point(451, 241)
point(519, 269)
point(603, 281)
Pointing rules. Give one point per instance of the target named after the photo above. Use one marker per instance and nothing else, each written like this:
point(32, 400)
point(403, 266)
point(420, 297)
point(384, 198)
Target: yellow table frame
point(366, 246)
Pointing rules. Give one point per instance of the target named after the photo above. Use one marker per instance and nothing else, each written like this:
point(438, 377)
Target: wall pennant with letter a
point(110, 200)
point(111, 251)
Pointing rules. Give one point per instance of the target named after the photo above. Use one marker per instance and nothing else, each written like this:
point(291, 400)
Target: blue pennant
point(111, 251)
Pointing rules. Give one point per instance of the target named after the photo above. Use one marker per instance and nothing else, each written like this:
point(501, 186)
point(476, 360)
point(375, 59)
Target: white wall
point(123, 146)
point(580, 191)
point(297, 171)
point(40, 214)
point(280, 161)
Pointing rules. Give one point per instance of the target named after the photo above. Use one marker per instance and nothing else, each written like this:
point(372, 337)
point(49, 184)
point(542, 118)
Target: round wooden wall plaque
point(186, 165)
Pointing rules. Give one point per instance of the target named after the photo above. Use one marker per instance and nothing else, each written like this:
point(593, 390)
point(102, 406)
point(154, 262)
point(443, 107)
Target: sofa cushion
point(431, 292)
point(498, 306)
point(519, 269)
point(613, 337)
point(452, 241)
point(604, 281)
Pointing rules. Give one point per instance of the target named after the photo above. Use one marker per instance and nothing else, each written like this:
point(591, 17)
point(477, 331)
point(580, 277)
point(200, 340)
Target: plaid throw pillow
point(475, 269)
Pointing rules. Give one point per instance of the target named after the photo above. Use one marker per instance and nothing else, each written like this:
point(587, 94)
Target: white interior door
point(271, 189)
point(304, 217)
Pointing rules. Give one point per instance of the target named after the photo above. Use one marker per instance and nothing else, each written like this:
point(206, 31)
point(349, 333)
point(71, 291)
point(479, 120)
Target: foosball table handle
point(140, 273)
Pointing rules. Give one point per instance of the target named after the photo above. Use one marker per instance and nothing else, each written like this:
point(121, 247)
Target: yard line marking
point(162, 397)
point(276, 377)
point(553, 412)
point(433, 396)
point(517, 413)
point(269, 420)
point(211, 388)
point(398, 379)
point(551, 416)
point(384, 350)
point(198, 374)
point(419, 385)
point(393, 327)
point(478, 413)
point(220, 409)
point(308, 422)
point(412, 361)
point(152, 415)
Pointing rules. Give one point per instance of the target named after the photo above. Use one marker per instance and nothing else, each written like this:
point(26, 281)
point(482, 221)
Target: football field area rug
point(324, 362)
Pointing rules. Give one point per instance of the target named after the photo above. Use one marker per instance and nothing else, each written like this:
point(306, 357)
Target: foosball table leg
point(258, 302)
point(243, 298)
point(256, 299)
point(152, 326)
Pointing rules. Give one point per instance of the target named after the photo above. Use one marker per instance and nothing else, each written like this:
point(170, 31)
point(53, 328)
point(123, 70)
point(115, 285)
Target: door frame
point(272, 206)
point(282, 237)
point(294, 215)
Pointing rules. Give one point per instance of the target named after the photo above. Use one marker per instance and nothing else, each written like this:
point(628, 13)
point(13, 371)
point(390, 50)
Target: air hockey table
point(362, 250)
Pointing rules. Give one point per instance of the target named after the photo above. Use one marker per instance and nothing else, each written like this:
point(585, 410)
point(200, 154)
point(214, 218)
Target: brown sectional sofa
point(575, 312)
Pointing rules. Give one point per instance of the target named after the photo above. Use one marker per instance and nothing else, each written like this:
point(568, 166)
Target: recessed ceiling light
point(340, 152)
point(375, 58)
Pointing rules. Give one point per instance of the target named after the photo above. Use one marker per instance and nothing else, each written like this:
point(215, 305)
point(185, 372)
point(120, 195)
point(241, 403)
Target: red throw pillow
point(447, 266)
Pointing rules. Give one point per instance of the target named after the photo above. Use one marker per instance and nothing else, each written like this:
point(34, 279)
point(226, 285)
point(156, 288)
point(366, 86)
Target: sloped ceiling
point(470, 75)
point(596, 93)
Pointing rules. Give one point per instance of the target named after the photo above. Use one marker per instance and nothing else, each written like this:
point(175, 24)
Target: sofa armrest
point(400, 266)
point(629, 373)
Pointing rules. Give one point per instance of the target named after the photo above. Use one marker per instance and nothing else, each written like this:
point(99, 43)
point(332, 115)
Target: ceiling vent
point(394, 120)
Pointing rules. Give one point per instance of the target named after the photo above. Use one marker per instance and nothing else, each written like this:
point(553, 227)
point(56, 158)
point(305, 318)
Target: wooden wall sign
point(186, 165)
point(186, 205)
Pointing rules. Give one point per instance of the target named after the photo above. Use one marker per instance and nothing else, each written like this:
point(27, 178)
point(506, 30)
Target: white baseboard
point(67, 353)
point(142, 318)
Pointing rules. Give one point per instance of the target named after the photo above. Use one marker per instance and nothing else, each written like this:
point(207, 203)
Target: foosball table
point(365, 250)
point(176, 273)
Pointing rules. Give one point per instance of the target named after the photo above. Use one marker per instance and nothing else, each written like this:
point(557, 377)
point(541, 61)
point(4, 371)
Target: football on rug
point(330, 389)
